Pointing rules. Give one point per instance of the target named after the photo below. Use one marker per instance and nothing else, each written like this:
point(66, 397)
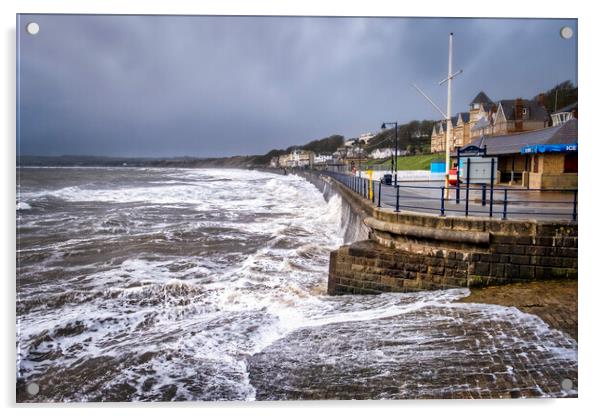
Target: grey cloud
point(213, 86)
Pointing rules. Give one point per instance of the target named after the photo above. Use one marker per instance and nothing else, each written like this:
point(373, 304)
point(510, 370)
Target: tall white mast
point(449, 126)
point(447, 116)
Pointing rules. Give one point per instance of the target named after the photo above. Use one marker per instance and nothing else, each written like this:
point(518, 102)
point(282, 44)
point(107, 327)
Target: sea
point(163, 284)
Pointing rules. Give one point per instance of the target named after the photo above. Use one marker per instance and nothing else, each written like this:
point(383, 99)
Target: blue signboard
point(549, 148)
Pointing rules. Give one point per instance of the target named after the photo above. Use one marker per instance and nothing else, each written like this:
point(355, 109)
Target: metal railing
point(471, 199)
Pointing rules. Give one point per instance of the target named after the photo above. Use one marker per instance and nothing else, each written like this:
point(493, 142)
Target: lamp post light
point(394, 158)
point(359, 146)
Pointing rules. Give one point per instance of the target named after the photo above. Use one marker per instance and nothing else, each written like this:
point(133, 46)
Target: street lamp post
point(393, 158)
point(359, 146)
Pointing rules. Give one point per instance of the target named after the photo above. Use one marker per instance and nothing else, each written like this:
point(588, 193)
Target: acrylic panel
point(251, 208)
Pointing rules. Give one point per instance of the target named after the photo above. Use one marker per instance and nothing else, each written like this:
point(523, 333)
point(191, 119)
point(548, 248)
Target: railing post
point(379, 186)
point(457, 177)
point(504, 214)
point(442, 209)
point(491, 190)
point(484, 194)
point(397, 199)
point(467, 185)
point(575, 205)
point(364, 184)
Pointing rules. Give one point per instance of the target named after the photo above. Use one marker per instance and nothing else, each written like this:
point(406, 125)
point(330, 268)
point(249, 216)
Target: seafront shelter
point(537, 159)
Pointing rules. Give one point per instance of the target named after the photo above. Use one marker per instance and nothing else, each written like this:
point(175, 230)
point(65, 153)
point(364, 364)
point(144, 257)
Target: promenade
point(425, 197)
point(431, 197)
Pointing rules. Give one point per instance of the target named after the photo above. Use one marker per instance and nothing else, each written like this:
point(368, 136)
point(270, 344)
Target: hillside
point(412, 136)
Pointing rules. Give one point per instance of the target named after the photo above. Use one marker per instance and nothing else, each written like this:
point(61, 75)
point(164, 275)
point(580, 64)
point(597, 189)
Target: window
point(535, 163)
point(525, 112)
point(570, 163)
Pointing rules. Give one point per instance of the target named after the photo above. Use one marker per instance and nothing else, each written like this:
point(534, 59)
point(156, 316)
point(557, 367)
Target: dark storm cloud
point(212, 86)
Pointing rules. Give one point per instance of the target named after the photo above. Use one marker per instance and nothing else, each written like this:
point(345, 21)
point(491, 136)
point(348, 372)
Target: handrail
point(433, 198)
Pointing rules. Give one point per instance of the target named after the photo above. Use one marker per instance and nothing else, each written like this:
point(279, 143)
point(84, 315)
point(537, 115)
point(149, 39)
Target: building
point(438, 137)
point(537, 159)
point(322, 159)
point(382, 153)
point(461, 130)
point(283, 160)
point(346, 152)
point(514, 116)
point(300, 158)
point(481, 111)
point(488, 118)
point(365, 138)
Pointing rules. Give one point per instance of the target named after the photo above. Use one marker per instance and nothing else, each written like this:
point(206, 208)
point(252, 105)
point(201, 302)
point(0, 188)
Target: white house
point(322, 158)
point(382, 153)
point(365, 138)
point(349, 153)
point(301, 158)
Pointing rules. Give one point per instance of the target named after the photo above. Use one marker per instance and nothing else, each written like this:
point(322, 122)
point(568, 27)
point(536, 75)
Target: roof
point(489, 106)
point(481, 98)
point(512, 143)
point(536, 111)
point(465, 117)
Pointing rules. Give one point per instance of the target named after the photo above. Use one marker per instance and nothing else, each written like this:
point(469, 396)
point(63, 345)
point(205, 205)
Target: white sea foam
point(22, 206)
point(200, 269)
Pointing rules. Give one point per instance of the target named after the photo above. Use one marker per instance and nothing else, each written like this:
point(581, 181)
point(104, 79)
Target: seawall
point(352, 214)
point(408, 251)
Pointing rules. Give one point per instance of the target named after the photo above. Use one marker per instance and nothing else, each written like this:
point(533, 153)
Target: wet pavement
point(556, 302)
point(457, 350)
point(521, 203)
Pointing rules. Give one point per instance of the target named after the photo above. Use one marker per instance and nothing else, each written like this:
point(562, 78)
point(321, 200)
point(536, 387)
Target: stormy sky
point(216, 86)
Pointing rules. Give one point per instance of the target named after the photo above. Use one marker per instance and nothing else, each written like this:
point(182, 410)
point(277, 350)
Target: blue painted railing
point(471, 200)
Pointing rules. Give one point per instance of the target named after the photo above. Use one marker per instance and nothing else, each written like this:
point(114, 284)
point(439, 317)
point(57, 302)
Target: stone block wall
point(411, 251)
point(387, 263)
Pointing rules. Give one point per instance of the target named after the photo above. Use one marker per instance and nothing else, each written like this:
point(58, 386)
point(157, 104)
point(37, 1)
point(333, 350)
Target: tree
point(326, 145)
point(560, 96)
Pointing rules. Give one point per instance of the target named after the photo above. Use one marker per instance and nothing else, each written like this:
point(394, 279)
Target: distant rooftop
point(481, 98)
point(536, 111)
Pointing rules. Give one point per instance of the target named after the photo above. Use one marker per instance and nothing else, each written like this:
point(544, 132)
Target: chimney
point(541, 99)
point(518, 114)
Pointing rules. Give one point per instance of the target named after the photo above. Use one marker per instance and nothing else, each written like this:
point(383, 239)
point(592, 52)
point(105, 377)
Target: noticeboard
point(480, 169)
